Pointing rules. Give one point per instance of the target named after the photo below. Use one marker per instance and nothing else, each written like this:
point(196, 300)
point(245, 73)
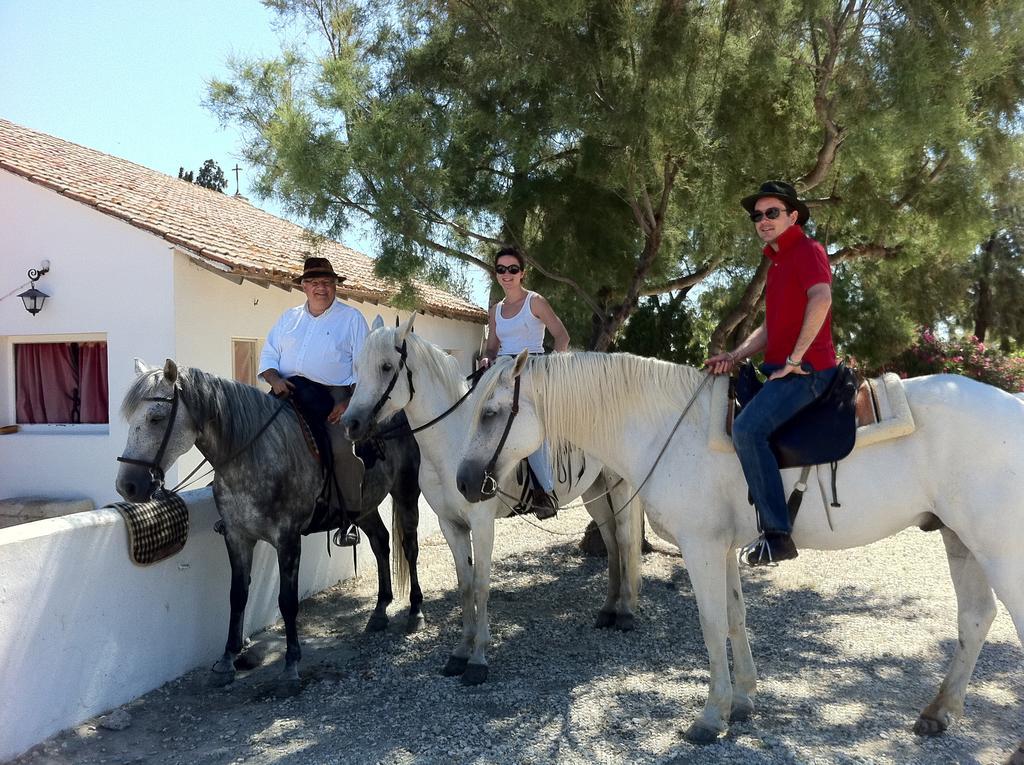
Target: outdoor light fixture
point(33, 298)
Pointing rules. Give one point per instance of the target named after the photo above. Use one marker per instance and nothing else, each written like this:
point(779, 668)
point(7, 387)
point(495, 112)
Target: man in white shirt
point(308, 357)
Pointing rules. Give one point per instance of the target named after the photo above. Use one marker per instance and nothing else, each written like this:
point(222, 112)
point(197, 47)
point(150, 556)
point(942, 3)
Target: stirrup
point(346, 537)
point(757, 553)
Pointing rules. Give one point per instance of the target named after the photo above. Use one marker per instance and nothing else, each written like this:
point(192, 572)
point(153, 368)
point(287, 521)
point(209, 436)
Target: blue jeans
point(777, 403)
point(540, 463)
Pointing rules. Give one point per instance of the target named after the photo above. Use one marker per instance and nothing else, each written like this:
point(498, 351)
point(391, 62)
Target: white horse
point(964, 464)
point(390, 362)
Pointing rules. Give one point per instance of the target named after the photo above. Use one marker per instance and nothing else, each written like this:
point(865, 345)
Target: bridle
point(155, 471)
point(403, 363)
point(489, 487)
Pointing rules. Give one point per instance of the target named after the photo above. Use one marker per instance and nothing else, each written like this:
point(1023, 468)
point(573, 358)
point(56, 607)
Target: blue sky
point(127, 77)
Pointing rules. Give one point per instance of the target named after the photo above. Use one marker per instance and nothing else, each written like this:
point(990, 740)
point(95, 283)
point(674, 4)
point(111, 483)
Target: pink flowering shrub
point(965, 356)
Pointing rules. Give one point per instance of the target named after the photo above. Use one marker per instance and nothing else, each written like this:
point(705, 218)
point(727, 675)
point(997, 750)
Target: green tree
point(612, 141)
point(210, 176)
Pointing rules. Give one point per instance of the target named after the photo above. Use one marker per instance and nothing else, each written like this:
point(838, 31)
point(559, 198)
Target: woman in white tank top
point(515, 323)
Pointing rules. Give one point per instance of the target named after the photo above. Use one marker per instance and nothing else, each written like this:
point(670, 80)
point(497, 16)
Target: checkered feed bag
point(156, 529)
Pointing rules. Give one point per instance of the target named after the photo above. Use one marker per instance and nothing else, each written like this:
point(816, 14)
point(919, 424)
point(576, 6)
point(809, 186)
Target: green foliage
point(210, 176)
point(962, 356)
point(613, 141)
point(664, 329)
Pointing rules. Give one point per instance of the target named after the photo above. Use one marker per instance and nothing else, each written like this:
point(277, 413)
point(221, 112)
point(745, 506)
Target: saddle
point(313, 403)
point(824, 432)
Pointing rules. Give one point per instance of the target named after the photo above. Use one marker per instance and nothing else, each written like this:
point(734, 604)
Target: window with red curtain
point(61, 383)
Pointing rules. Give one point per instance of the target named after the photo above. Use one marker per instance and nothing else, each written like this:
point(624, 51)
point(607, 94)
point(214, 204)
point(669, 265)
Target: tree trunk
point(748, 306)
point(983, 288)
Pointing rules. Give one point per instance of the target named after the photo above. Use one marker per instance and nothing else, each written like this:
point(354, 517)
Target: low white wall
point(83, 629)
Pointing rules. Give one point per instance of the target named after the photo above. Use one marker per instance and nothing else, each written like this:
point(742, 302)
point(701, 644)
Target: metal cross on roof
point(236, 168)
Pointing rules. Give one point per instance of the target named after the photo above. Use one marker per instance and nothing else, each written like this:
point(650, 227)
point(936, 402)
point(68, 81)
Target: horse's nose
point(468, 480)
point(353, 428)
point(128, 489)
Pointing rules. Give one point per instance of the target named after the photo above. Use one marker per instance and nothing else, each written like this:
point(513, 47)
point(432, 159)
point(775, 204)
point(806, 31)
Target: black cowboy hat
point(317, 267)
point(778, 190)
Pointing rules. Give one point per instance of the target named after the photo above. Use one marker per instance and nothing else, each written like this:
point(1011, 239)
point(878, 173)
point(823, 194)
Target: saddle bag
point(825, 431)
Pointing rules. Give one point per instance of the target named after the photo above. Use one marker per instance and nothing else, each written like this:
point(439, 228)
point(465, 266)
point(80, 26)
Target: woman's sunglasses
point(507, 270)
point(771, 214)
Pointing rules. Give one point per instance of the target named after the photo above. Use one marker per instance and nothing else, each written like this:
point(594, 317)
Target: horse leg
point(457, 536)
point(742, 658)
point(976, 608)
point(483, 548)
point(240, 551)
point(405, 502)
point(289, 550)
point(601, 510)
point(377, 534)
point(629, 537)
point(706, 565)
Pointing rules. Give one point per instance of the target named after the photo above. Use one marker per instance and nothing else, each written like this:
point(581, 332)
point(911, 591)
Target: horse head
point(160, 430)
point(503, 429)
point(384, 379)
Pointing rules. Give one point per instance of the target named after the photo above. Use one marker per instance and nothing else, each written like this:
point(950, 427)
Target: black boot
point(544, 505)
point(771, 547)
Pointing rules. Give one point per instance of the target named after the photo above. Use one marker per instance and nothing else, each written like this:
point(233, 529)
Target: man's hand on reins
point(339, 409)
point(721, 364)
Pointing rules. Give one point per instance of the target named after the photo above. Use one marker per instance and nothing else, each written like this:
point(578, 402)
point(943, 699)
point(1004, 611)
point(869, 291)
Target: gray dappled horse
point(265, 487)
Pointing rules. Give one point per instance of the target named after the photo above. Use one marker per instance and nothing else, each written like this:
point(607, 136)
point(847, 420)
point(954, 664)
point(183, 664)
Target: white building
point(140, 264)
point(143, 265)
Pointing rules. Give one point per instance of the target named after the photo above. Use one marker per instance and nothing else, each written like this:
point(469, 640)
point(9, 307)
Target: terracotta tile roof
point(218, 230)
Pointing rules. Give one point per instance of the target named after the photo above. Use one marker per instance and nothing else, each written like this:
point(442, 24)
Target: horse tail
point(399, 565)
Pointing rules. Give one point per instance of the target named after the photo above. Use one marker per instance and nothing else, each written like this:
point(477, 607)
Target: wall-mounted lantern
point(33, 298)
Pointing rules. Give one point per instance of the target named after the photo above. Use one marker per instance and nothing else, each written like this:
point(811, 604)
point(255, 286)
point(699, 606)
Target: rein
point(391, 432)
point(157, 473)
point(490, 487)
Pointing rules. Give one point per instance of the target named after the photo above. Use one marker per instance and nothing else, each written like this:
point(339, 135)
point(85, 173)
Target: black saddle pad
point(825, 431)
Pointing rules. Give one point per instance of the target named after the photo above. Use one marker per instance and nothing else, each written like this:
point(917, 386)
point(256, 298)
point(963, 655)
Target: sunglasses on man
point(771, 214)
point(513, 269)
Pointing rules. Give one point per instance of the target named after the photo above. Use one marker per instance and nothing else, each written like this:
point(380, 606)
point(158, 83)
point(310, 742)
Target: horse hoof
point(605, 619)
point(929, 726)
point(456, 666)
point(475, 674)
point(701, 734)
point(221, 679)
point(377, 623)
point(415, 624)
point(741, 711)
point(1017, 758)
point(625, 622)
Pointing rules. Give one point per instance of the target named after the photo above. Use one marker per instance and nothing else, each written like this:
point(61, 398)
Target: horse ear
point(405, 329)
point(170, 370)
point(520, 364)
point(378, 323)
point(140, 367)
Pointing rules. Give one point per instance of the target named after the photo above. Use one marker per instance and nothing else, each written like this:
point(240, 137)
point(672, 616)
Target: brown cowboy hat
point(779, 190)
point(314, 268)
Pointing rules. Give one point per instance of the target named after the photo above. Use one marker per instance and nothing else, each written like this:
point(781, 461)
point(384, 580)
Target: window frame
point(256, 345)
point(11, 399)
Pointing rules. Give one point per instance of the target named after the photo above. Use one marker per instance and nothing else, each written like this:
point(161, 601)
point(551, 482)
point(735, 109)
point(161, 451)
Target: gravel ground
point(850, 647)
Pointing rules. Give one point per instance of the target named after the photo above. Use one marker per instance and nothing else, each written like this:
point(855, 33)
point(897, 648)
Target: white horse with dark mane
point(964, 463)
point(398, 370)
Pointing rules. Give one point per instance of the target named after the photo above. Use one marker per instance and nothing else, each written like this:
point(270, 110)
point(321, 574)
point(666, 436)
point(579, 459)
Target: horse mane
point(239, 410)
point(600, 390)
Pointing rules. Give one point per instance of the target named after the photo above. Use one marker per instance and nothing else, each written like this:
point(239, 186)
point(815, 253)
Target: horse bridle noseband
point(155, 471)
point(489, 487)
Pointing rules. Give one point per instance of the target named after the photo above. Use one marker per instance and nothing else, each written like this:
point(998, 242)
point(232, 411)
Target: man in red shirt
point(799, 357)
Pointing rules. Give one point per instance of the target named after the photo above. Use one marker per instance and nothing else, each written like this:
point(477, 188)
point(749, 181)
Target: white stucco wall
point(107, 278)
point(70, 652)
point(148, 300)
